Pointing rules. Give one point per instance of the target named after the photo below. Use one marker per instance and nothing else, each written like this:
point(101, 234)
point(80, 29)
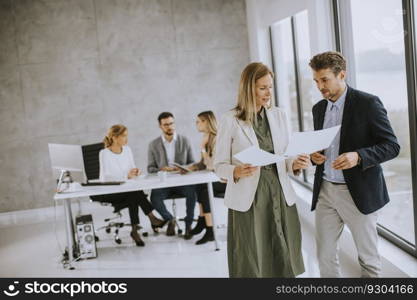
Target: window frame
point(343, 45)
point(340, 11)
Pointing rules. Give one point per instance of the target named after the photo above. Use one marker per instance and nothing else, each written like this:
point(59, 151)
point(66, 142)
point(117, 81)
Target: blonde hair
point(114, 131)
point(246, 100)
point(212, 129)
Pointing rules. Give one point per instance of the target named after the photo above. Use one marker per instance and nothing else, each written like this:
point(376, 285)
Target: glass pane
point(283, 57)
point(308, 92)
point(378, 42)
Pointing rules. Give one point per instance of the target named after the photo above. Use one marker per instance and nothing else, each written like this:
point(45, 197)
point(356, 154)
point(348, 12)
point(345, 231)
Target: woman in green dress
point(264, 236)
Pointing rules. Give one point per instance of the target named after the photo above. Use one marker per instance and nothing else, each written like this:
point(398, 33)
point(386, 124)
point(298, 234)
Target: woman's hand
point(318, 158)
point(301, 162)
point(133, 173)
point(244, 171)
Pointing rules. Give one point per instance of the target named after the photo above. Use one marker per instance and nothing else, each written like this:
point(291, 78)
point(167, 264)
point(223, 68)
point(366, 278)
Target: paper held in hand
point(311, 141)
point(300, 143)
point(257, 157)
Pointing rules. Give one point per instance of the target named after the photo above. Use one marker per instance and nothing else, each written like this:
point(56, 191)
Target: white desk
point(149, 182)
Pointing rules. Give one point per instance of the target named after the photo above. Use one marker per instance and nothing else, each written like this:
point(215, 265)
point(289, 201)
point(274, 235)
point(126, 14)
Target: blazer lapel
point(249, 132)
point(347, 114)
point(164, 152)
point(177, 155)
point(277, 134)
point(321, 114)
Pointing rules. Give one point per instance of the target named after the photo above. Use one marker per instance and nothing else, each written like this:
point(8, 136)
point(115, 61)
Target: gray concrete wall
point(69, 69)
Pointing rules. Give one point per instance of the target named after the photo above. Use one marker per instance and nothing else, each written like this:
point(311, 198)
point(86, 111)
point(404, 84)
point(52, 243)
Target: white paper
point(257, 157)
point(300, 142)
point(311, 141)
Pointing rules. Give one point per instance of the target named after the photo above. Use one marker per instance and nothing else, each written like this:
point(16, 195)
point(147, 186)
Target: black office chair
point(92, 171)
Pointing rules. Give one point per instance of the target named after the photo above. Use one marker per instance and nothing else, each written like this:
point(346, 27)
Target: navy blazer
point(366, 130)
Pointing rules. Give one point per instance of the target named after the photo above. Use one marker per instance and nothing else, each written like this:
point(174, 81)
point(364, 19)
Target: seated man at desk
point(163, 151)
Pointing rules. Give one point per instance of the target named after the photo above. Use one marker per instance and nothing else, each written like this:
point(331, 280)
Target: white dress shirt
point(333, 117)
point(116, 166)
point(170, 149)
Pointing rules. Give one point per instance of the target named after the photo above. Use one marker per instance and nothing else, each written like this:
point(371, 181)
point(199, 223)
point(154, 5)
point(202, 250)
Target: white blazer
point(234, 136)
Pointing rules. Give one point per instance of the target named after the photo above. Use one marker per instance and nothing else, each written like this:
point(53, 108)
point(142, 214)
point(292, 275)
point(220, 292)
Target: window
point(283, 65)
point(296, 91)
point(371, 36)
point(377, 48)
point(308, 92)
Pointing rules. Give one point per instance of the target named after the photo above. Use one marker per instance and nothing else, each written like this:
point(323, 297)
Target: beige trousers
point(335, 208)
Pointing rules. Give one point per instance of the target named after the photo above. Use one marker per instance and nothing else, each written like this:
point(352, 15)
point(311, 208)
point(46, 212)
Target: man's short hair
point(328, 60)
point(164, 115)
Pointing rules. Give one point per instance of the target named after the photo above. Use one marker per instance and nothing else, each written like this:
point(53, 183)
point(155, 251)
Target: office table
point(140, 183)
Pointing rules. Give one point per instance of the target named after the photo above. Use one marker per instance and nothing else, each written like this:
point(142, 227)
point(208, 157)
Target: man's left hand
point(346, 161)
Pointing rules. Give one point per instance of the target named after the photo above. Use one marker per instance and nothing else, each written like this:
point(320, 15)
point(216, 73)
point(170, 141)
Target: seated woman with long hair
point(117, 164)
point(207, 125)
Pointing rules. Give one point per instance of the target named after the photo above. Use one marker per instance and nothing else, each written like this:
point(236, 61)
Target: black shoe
point(137, 239)
point(201, 224)
point(207, 237)
point(171, 228)
point(188, 235)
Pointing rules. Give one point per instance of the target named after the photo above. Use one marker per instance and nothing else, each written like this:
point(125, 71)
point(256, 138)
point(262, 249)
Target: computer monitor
point(66, 157)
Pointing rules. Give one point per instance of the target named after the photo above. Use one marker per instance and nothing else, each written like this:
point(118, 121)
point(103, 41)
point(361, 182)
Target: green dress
point(265, 241)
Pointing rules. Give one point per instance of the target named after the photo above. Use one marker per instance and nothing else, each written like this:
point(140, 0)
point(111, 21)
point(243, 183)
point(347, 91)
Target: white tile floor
point(31, 244)
point(33, 249)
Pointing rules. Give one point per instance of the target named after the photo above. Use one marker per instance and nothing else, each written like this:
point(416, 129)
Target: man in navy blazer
point(349, 185)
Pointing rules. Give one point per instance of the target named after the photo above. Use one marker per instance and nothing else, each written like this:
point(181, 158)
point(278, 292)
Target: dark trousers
point(130, 200)
point(203, 197)
point(159, 195)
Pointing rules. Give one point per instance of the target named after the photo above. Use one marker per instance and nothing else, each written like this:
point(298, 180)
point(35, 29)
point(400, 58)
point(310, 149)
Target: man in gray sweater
point(163, 151)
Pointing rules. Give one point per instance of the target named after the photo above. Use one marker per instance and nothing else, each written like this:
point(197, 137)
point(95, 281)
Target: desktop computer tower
point(86, 237)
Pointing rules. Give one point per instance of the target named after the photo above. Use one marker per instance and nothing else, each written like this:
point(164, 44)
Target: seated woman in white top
point(117, 164)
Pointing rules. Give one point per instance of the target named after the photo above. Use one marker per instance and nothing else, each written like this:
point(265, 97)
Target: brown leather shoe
point(136, 237)
point(171, 228)
point(156, 223)
point(188, 235)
